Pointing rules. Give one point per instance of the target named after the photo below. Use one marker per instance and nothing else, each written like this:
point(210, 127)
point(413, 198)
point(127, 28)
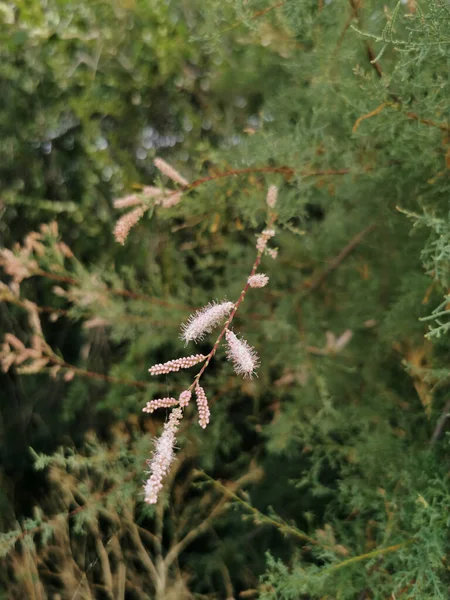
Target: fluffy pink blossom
point(272, 195)
point(159, 403)
point(170, 172)
point(205, 320)
point(258, 281)
point(244, 358)
point(126, 222)
point(163, 457)
point(203, 407)
point(126, 201)
point(272, 252)
point(150, 191)
point(175, 365)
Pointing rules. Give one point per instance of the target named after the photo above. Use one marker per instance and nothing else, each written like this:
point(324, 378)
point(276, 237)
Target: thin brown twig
point(66, 313)
point(233, 312)
point(355, 5)
point(256, 15)
point(288, 172)
point(428, 122)
point(99, 376)
point(117, 292)
point(334, 264)
point(353, 15)
point(440, 423)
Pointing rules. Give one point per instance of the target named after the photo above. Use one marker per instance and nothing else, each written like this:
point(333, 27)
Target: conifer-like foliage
point(327, 475)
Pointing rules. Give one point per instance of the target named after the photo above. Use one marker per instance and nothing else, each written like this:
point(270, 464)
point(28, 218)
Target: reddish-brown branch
point(233, 312)
point(117, 292)
point(428, 122)
point(288, 172)
point(99, 376)
point(355, 5)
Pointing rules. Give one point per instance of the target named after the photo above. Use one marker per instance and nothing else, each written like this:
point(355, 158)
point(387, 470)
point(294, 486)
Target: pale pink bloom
point(14, 341)
point(170, 172)
point(150, 191)
point(171, 200)
point(203, 407)
point(244, 358)
point(334, 344)
point(66, 251)
point(163, 457)
point(185, 398)
point(263, 238)
point(205, 320)
point(159, 403)
point(175, 365)
point(126, 201)
point(272, 195)
point(95, 322)
point(126, 222)
point(20, 267)
point(272, 252)
point(69, 375)
point(258, 281)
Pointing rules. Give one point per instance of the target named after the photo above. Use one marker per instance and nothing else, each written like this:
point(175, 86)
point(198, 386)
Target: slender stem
point(117, 292)
point(367, 556)
point(233, 312)
point(259, 516)
point(94, 375)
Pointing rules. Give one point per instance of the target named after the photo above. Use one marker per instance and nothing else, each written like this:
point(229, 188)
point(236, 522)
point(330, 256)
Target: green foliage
point(326, 477)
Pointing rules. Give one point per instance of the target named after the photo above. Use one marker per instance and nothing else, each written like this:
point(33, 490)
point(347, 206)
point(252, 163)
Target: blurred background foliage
point(327, 476)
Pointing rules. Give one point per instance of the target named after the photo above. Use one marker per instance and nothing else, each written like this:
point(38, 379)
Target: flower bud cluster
point(203, 407)
point(159, 403)
point(175, 365)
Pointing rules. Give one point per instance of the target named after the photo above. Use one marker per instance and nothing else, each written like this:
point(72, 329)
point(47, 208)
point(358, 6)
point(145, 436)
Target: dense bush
point(327, 475)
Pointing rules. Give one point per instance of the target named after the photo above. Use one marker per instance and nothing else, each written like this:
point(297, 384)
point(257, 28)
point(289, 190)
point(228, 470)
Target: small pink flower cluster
point(163, 456)
point(160, 196)
point(175, 365)
point(126, 223)
point(159, 403)
point(272, 195)
point(263, 238)
point(203, 407)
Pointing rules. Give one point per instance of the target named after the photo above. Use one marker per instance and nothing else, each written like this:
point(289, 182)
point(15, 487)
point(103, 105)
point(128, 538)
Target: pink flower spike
point(159, 403)
point(175, 365)
point(126, 201)
point(171, 200)
point(242, 355)
point(126, 222)
point(150, 191)
point(272, 195)
point(184, 398)
point(203, 407)
point(170, 172)
point(205, 320)
point(258, 281)
point(163, 457)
